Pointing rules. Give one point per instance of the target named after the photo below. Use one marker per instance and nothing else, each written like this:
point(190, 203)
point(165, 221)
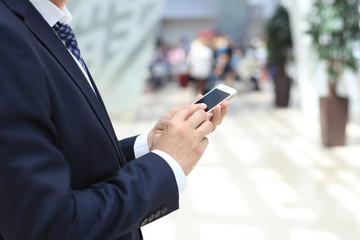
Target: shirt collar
point(51, 13)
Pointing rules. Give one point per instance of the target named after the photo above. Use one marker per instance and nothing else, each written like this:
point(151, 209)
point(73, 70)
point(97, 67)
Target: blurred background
point(285, 163)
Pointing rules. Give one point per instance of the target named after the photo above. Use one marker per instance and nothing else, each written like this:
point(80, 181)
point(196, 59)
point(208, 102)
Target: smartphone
point(216, 96)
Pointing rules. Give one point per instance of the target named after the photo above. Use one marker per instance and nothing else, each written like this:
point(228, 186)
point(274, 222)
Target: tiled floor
point(264, 176)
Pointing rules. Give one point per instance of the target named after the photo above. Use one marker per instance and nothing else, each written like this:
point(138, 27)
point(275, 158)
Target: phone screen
point(213, 98)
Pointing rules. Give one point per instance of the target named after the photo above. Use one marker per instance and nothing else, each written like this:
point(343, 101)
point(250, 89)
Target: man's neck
point(59, 3)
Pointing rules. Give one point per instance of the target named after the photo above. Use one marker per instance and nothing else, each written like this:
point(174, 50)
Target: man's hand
point(182, 133)
point(218, 115)
point(159, 128)
point(184, 136)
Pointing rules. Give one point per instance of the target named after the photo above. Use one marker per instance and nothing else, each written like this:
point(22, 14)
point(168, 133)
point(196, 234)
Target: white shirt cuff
point(141, 146)
point(178, 172)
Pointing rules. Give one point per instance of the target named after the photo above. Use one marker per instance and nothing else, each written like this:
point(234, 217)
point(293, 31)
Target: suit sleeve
point(127, 146)
point(36, 198)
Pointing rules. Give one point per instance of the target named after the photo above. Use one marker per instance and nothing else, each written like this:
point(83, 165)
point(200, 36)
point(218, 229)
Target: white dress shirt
point(52, 14)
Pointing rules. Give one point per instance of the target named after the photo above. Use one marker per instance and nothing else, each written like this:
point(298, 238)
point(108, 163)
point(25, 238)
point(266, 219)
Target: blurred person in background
point(235, 61)
point(177, 59)
point(249, 68)
point(63, 172)
point(160, 67)
point(200, 60)
point(223, 69)
point(260, 52)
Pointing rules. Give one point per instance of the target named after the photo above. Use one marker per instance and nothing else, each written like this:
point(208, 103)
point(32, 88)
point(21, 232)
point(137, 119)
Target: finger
point(224, 110)
point(204, 129)
point(198, 118)
point(186, 112)
point(225, 104)
point(216, 116)
point(204, 143)
point(173, 111)
point(198, 97)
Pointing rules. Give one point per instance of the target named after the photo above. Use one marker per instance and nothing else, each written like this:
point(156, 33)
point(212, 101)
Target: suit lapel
point(106, 119)
point(51, 41)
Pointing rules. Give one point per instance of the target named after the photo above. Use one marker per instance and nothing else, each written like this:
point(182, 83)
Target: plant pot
point(282, 84)
point(333, 119)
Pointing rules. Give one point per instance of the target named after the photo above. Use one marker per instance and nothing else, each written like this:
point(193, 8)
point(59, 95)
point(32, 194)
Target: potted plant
point(334, 29)
point(279, 45)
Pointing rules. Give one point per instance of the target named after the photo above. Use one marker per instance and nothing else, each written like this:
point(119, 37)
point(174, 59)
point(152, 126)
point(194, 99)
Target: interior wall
point(117, 38)
point(172, 30)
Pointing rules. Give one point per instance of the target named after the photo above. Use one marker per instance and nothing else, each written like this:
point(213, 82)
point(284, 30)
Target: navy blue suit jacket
point(63, 173)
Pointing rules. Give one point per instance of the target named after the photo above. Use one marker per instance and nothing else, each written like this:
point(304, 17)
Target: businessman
point(63, 173)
